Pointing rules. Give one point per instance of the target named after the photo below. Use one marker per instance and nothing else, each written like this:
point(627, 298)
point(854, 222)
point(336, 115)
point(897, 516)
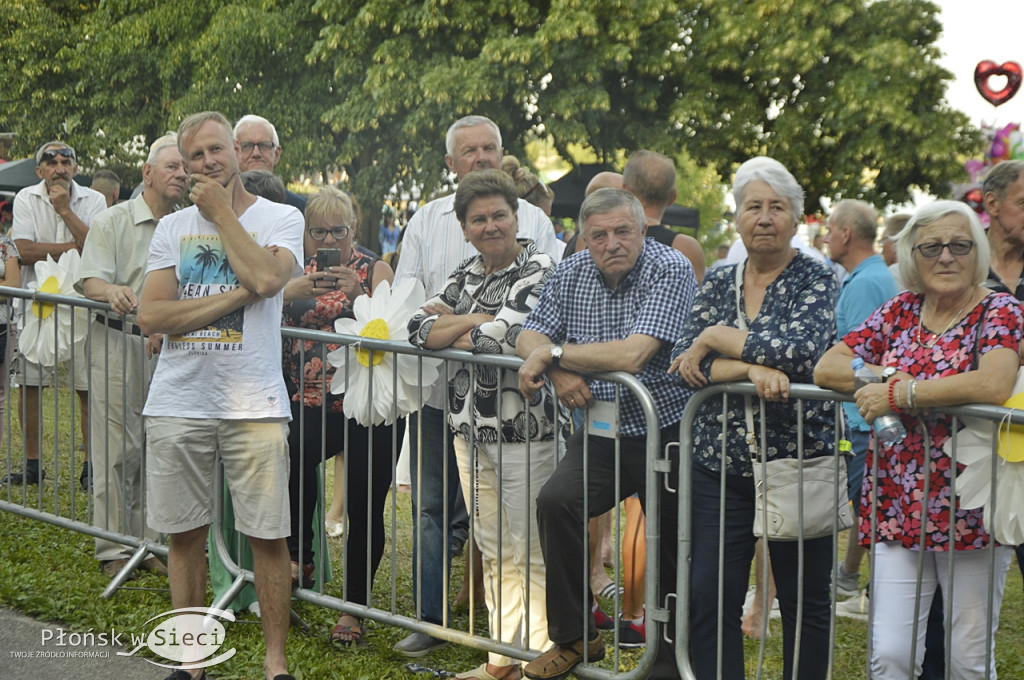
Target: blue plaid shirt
point(576, 307)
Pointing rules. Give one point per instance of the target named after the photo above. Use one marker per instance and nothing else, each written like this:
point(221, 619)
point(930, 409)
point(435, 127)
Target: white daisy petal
point(348, 326)
point(1006, 521)
point(384, 316)
point(48, 337)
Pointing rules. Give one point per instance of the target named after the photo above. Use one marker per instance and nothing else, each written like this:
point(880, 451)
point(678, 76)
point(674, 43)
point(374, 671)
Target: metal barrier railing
point(801, 394)
point(57, 502)
point(63, 508)
point(392, 615)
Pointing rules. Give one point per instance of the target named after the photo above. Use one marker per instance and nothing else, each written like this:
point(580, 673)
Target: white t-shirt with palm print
point(230, 369)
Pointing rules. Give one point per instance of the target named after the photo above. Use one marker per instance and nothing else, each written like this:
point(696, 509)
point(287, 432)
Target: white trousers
point(501, 496)
point(893, 586)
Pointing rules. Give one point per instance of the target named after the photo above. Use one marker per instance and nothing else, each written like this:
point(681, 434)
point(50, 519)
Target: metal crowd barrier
point(59, 501)
point(391, 611)
point(757, 661)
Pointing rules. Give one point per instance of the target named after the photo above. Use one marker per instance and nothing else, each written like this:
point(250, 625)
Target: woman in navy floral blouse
point(504, 446)
point(952, 341)
point(788, 307)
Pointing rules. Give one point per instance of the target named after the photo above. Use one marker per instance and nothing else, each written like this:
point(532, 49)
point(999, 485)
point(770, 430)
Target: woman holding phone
point(336, 273)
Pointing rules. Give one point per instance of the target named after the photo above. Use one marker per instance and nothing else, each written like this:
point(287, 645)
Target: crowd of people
point(197, 296)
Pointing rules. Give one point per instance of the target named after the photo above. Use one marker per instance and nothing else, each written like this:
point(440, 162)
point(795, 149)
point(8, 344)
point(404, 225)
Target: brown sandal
point(348, 633)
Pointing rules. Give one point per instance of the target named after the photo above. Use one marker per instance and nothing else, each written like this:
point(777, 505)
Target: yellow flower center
point(42, 310)
point(378, 329)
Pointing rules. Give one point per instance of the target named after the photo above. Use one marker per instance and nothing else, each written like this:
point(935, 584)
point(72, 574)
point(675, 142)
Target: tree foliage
point(109, 77)
point(846, 93)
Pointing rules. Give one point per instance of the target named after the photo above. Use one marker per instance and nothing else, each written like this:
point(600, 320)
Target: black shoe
point(184, 675)
point(417, 645)
point(85, 479)
point(29, 477)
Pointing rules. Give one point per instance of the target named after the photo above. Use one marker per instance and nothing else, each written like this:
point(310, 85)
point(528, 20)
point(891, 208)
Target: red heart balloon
point(986, 69)
point(974, 199)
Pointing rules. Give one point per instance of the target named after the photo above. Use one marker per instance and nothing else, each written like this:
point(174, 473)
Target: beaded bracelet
point(893, 395)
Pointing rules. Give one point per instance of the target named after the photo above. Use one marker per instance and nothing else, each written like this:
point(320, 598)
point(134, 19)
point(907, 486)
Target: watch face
point(888, 372)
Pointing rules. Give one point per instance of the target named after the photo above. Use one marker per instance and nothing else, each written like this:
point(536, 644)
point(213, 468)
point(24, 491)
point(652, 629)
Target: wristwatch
point(888, 372)
point(556, 355)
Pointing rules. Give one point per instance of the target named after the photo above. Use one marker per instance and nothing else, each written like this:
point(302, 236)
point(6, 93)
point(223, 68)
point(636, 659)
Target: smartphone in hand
point(328, 257)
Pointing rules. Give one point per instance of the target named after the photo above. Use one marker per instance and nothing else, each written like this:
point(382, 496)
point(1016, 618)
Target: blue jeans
point(432, 544)
point(739, 552)
point(855, 466)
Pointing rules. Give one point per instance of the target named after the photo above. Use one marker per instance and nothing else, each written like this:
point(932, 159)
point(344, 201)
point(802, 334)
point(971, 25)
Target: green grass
point(49, 572)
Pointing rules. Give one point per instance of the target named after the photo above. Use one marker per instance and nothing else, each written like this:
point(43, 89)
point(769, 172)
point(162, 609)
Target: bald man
point(651, 177)
point(602, 180)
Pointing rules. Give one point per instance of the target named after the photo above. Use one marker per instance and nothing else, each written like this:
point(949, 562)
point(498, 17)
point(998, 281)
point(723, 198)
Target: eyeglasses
point(265, 147)
point(50, 155)
point(934, 249)
point(319, 233)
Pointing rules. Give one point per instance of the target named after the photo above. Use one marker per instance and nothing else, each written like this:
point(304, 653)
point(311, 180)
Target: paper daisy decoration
point(1004, 518)
point(46, 336)
point(367, 378)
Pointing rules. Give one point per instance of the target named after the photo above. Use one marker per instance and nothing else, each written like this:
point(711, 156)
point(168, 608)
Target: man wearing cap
point(51, 218)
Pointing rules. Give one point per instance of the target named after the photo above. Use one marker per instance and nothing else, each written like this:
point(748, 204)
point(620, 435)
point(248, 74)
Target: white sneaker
point(847, 585)
point(854, 608)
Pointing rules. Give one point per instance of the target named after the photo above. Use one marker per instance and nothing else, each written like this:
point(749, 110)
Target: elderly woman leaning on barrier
point(950, 341)
point(787, 302)
point(504, 457)
point(315, 300)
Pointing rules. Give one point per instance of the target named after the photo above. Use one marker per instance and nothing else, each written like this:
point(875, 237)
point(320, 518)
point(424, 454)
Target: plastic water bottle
point(888, 427)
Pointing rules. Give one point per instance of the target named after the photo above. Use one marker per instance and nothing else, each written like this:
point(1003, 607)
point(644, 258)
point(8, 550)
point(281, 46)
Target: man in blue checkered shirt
point(618, 306)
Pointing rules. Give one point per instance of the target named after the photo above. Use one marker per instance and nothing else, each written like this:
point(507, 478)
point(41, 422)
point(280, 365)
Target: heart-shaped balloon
point(974, 199)
point(987, 69)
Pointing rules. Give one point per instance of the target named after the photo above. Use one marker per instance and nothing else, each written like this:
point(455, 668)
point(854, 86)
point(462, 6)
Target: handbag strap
point(976, 352)
point(741, 322)
point(740, 318)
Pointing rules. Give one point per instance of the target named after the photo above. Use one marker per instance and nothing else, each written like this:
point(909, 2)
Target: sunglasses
point(50, 155)
point(934, 249)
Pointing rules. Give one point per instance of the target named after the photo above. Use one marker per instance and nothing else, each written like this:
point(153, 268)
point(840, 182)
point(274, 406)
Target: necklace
point(920, 323)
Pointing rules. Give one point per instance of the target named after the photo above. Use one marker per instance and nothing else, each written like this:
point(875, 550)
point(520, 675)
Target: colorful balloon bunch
point(1007, 143)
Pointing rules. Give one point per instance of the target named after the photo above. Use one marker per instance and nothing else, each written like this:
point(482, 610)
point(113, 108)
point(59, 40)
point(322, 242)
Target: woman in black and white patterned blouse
point(505, 447)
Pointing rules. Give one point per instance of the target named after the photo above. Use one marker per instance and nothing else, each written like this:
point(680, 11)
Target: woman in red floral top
point(951, 341)
point(313, 301)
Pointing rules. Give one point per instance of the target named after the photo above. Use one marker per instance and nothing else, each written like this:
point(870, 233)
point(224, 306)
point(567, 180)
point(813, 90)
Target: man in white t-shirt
point(433, 246)
point(213, 287)
point(51, 218)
